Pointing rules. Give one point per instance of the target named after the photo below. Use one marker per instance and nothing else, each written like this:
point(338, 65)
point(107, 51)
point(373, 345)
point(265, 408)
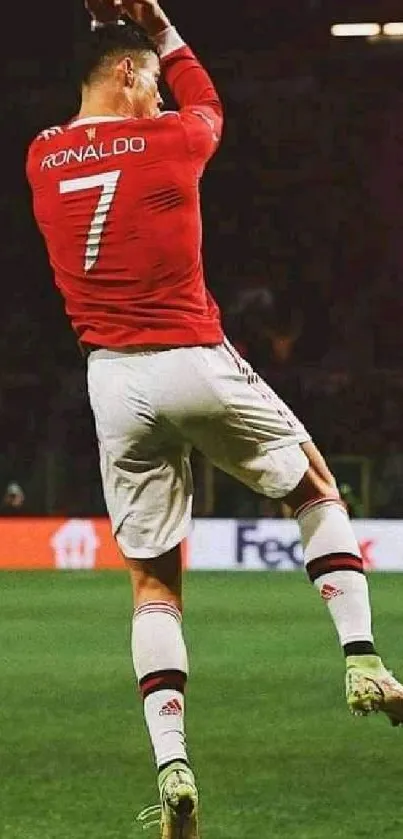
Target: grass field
point(276, 752)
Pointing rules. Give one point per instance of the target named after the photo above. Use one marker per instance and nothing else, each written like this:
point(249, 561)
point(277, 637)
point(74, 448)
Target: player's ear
point(128, 68)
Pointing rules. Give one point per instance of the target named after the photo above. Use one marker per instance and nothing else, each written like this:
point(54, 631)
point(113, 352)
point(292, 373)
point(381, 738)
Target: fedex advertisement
point(213, 544)
point(274, 545)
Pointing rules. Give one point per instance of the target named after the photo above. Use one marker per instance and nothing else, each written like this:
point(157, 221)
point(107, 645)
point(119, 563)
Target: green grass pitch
point(276, 753)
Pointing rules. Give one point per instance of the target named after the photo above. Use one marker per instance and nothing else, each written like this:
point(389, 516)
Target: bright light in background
point(356, 30)
point(393, 29)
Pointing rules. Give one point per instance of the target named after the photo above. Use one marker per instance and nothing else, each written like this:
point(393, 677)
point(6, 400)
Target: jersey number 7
point(108, 182)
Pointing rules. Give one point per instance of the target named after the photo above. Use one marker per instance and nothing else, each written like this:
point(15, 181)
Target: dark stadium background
point(303, 245)
point(302, 242)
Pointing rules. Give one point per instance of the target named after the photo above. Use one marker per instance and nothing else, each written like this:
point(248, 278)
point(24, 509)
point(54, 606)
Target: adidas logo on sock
point(171, 708)
point(328, 592)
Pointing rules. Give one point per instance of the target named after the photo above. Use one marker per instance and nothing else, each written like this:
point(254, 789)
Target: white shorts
point(152, 407)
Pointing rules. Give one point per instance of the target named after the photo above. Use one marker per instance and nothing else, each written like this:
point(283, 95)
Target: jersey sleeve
point(201, 112)
point(37, 147)
point(30, 161)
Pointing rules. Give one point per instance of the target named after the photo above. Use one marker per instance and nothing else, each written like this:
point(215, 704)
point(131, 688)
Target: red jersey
point(117, 201)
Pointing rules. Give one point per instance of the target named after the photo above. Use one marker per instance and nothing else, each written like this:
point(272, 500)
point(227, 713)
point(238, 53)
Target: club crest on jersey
point(91, 133)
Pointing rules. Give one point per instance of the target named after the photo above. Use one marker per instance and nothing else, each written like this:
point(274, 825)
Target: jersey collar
point(95, 120)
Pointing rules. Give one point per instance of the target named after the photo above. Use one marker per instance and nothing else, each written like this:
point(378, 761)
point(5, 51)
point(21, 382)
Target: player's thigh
point(145, 465)
point(247, 430)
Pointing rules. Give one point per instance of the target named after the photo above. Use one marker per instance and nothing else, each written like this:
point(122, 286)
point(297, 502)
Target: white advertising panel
point(274, 545)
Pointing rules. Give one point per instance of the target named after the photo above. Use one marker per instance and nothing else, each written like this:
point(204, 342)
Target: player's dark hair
point(93, 51)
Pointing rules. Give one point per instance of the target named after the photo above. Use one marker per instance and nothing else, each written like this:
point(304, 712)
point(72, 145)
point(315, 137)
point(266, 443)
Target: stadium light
point(356, 30)
point(393, 30)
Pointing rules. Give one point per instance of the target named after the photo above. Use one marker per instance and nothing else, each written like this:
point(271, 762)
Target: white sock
point(334, 565)
point(347, 597)
point(161, 666)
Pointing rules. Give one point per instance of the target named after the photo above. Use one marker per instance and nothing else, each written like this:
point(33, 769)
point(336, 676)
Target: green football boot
point(179, 803)
point(371, 688)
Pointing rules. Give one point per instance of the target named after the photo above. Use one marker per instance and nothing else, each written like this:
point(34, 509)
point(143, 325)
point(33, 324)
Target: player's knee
point(312, 488)
point(158, 579)
point(148, 588)
point(317, 482)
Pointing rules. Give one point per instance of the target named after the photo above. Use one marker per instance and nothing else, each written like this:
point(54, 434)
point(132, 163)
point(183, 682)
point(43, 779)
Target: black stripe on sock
point(170, 762)
point(162, 680)
point(334, 562)
point(359, 648)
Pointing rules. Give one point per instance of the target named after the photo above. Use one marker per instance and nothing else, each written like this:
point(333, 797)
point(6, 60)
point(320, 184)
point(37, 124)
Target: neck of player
point(104, 103)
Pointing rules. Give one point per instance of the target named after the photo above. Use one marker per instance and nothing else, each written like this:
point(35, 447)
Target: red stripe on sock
point(334, 562)
point(165, 680)
point(152, 684)
point(322, 500)
point(158, 607)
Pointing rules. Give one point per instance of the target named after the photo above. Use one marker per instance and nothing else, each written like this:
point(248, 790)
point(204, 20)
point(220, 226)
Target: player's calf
point(161, 666)
point(160, 663)
point(332, 556)
point(334, 565)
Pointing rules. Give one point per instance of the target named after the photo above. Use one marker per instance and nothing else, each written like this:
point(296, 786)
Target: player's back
point(117, 201)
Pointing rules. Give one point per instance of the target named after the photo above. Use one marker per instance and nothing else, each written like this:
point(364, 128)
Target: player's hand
point(105, 11)
point(133, 7)
point(148, 14)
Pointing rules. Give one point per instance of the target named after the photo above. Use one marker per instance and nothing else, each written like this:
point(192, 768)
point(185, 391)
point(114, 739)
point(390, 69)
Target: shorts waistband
point(140, 349)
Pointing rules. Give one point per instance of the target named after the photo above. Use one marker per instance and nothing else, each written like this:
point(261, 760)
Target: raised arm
point(200, 107)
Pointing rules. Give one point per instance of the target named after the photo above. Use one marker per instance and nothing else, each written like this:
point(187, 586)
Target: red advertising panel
point(57, 543)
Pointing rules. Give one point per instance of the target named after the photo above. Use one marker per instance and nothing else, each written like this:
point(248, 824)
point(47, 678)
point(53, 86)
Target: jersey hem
point(91, 341)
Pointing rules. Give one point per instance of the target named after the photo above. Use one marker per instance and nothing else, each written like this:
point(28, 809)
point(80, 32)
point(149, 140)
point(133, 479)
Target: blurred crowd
point(302, 210)
point(49, 462)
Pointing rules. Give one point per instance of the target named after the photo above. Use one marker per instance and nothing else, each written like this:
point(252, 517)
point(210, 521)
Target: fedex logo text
point(272, 552)
point(257, 547)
